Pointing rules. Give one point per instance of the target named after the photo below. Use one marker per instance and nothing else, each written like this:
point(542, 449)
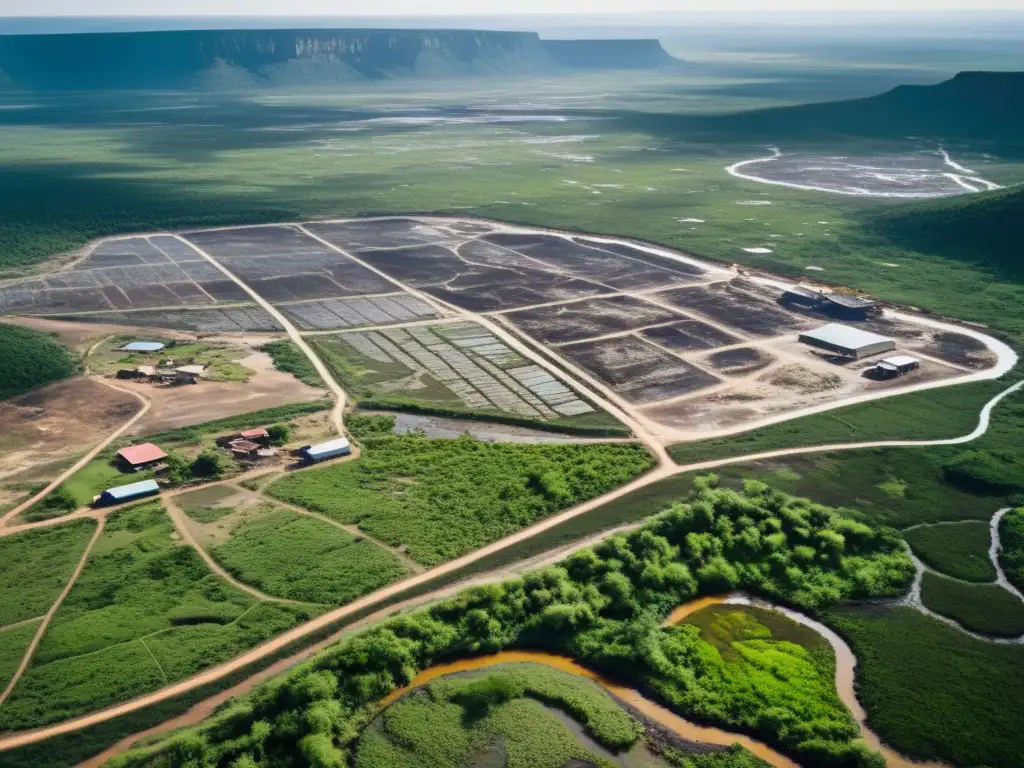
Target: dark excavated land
point(689, 335)
point(731, 305)
point(638, 371)
point(589, 318)
point(735, 362)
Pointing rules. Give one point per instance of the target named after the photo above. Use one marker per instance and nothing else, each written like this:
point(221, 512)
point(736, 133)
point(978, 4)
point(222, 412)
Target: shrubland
point(1011, 536)
point(603, 607)
point(442, 498)
point(959, 550)
point(985, 608)
point(31, 359)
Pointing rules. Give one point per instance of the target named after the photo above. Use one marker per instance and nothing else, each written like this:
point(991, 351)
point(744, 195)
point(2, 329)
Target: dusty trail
point(30, 652)
point(178, 517)
point(293, 333)
point(88, 456)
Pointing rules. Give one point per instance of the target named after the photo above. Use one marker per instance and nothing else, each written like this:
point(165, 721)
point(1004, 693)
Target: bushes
point(442, 498)
point(1011, 536)
point(278, 434)
point(31, 359)
point(959, 550)
point(290, 359)
point(985, 608)
point(986, 472)
point(603, 606)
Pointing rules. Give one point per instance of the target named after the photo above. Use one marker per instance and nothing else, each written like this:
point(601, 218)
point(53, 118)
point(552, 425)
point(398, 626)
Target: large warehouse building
point(846, 341)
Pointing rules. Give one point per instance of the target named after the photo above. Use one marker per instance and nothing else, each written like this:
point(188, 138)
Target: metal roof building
point(846, 341)
point(128, 492)
point(897, 365)
point(253, 434)
point(142, 346)
point(328, 450)
point(140, 455)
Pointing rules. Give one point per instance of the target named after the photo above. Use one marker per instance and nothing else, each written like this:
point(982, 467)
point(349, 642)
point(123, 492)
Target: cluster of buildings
point(166, 373)
point(841, 306)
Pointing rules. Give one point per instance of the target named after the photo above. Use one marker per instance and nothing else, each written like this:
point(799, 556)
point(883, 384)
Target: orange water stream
point(845, 663)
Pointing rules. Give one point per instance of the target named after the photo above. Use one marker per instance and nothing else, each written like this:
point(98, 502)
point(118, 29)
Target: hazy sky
point(467, 7)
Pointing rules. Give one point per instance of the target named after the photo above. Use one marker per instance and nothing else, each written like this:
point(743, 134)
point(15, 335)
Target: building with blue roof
point(142, 346)
point(329, 450)
point(129, 492)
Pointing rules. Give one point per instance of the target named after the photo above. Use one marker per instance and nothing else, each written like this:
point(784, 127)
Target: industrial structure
point(142, 346)
point(839, 305)
point(123, 493)
point(845, 341)
point(323, 451)
point(895, 366)
point(141, 456)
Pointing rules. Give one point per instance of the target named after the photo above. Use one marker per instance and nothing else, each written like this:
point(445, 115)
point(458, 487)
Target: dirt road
point(88, 457)
point(30, 651)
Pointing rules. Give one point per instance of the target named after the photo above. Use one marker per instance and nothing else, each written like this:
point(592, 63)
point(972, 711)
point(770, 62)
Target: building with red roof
point(141, 456)
point(253, 434)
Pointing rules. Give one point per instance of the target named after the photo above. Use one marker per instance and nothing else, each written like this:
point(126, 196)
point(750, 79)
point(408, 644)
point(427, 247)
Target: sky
point(472, 7)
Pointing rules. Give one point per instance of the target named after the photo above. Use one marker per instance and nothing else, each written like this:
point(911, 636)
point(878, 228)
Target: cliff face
point(271, 57)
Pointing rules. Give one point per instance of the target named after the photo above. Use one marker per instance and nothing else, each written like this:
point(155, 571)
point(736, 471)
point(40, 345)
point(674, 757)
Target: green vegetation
point(289, 555)
point(57, 504)
point(442, 498)
point(930, 415)
point(278, 434)
point(1011, 537)
point(36, 567)
point(207, 505)
point(985, 608)
point(14, 642)
point(290, 359)
point(931, 691)
point(502, 713)
point(959, 550)
point(145, 611)
point(31, 359)
point(604, 607)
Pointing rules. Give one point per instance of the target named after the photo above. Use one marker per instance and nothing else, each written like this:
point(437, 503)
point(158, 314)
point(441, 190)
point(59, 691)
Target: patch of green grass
point(932, 692)
point(36, 567)
point(728, 627)
point(14, 642)
point(31, 359)
point(959, 550)
point(1011, 537)
point(206, 505)
point(442, 498)
point(145, 610)
point(928, 415)
point(290, 359)
point(985, 608)
point(289, 555)
point(97, 476)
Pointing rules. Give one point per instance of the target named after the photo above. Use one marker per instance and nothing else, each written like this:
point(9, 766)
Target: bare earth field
point(689, 348)
point(51, 425)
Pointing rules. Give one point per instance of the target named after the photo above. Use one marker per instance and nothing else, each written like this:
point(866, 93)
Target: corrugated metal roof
point(806, 293)
point(844, 336)
point(142, 346)
point(134, 489)
point(898, 360)
point(249, 434)
point(142, 454)
point(195, 370)
point(329, 447)
point(851, 302)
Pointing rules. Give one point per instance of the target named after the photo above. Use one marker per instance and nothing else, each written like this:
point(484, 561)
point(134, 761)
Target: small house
point(323, 451)
point(848, 307)
point(142, 346)
point(137, 373)
point(254, 434)
point(245, 449)
point(188, 374)
point(139, 457)
point(896, 366)
point(123, 493)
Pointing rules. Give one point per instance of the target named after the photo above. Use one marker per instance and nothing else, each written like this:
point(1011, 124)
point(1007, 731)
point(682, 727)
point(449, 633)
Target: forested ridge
point(604, 607)
point(31, 359)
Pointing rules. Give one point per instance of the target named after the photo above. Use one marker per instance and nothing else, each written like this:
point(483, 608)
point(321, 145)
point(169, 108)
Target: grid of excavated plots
point(474, 365)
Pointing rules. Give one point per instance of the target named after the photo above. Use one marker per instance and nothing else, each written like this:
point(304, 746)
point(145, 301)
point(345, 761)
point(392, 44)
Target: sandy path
point(30, 652)
point(88, 457)
point(177, 515)
point(293, 333)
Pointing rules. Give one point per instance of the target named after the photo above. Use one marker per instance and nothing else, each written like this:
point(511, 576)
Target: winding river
point(845, 664)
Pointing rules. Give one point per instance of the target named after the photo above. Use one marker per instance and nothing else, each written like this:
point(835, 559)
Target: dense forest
point(31, 359)
point(604, 607)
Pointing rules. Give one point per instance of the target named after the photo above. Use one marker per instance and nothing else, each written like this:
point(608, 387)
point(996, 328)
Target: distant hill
point(984, 229)
point(971, 105)
point(254, 58)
